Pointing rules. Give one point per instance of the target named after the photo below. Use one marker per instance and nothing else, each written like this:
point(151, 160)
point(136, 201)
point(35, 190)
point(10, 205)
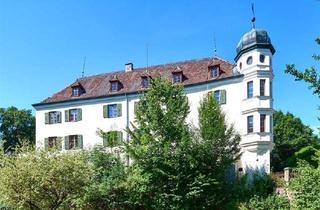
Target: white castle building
point(107, 101)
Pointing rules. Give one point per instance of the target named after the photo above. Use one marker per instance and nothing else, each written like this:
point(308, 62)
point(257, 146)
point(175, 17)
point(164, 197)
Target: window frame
point(250, 89)
point(145, 82)
point(250, 124)
point(114, 86)
point(177, 75)
point(262, 87)
point(73, 115)
point(76, 92)
point(263, 123)
point(214, 71)
point(249, 60)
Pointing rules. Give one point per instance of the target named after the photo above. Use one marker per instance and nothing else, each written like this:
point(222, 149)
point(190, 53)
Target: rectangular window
point(262, 123)
point(250, 123)
point(73, 142)
point(145, 82)
point(177, 77)
point(114, 86)
point(250, 89)
point(214, 71)
point(52, 117)
point(217, 96)
point(76, 91)
point(262, 87)
point(113, 138)
point(53, 142)
point(270, 89)
point(73, 115)
point(112, 110)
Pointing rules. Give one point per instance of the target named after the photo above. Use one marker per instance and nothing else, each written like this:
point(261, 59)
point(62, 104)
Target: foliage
point(40, 180)
point(305, 153)
point(290, 135)
point(105, 190)
point(309, 75)
point(178, 169)
point(16, 125)
point(272, 202)
point(306, 185)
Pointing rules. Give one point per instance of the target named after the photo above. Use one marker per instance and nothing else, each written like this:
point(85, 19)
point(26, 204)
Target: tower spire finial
point(253, 20)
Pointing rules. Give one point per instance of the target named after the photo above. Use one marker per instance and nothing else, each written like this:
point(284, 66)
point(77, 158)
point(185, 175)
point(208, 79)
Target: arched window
point(262, 58)
point(249, 60)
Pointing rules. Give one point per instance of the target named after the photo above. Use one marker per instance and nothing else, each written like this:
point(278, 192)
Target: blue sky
point(43, 42)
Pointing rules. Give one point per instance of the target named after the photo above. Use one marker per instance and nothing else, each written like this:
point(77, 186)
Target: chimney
point(128, 67)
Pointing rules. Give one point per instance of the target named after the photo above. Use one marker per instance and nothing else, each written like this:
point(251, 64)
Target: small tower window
point(240, 65)
point(262, 58)
point(214, 71)
point(262, 122)
point(249, 60)
point(250, 89)
point(177, 77)
point(250, 124)
point(262, 87)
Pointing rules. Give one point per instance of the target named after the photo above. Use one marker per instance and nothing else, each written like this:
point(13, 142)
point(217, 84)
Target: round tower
point(254, 61)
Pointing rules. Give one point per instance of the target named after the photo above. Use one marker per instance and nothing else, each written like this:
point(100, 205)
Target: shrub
point(271, 202)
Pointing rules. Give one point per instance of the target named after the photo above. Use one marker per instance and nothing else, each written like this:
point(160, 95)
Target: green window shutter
point(223, 96)
point(105, 111)
point(66, 115)
point(119, 109)
point(59, 143)
point(66, 142)
point(59, 117)
point(135, 106)
point(46, 118)
point(80, 142)
point(46, 143)
point(79, 115)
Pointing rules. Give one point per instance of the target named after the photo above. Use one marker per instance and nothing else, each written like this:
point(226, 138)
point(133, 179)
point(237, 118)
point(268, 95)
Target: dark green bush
point(271, 202)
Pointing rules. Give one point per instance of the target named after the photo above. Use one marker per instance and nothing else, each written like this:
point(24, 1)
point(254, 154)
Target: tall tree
point(290, 135)
point(182, 169)
point(16, 126)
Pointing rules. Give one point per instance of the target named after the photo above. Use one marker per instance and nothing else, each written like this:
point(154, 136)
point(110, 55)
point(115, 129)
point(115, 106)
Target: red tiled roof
point(194, 71)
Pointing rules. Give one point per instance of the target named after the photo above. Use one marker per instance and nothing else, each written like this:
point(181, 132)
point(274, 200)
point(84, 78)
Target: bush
point(271, 202)
point(305, 185)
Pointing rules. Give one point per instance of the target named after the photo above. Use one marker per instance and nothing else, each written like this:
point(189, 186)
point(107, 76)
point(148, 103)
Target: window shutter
point(105, 111)
point(135, 106)
point(59, 143)
point(46, 118)
point(120, 136)
point(66, 115)
point(80, 142)
point(59, 117)
point(223, 97)
point(79, 115)
point(119, 109)
point(46, 143)
point(66, 142)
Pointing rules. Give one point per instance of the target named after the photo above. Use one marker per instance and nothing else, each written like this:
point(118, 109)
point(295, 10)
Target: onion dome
point(254, 39)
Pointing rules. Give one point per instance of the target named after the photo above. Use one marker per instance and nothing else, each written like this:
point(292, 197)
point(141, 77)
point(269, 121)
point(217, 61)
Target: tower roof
point(255, 38)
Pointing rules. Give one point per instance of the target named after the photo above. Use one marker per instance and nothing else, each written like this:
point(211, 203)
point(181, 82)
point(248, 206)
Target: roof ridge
point(154, 66)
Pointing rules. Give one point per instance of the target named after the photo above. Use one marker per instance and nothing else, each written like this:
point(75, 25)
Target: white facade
point(255, 145)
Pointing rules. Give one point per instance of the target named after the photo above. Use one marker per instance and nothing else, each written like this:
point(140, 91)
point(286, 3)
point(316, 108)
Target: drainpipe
point(127, 126)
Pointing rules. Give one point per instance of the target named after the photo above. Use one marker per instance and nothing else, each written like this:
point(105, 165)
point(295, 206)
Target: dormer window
point(114, 86)
point(177, 77)
point(76, 91)
point(214, 71)
point(145, 82)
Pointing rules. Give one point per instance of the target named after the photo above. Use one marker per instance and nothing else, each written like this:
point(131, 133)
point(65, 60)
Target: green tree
point(106, 189)
point(290, 135)
point(309, 75)
point(179, 168)
point(40, 180)
point(306, 185)
point(16, 125)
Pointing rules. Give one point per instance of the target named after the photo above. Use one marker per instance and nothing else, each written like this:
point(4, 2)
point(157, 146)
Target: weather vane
point(253, 20)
